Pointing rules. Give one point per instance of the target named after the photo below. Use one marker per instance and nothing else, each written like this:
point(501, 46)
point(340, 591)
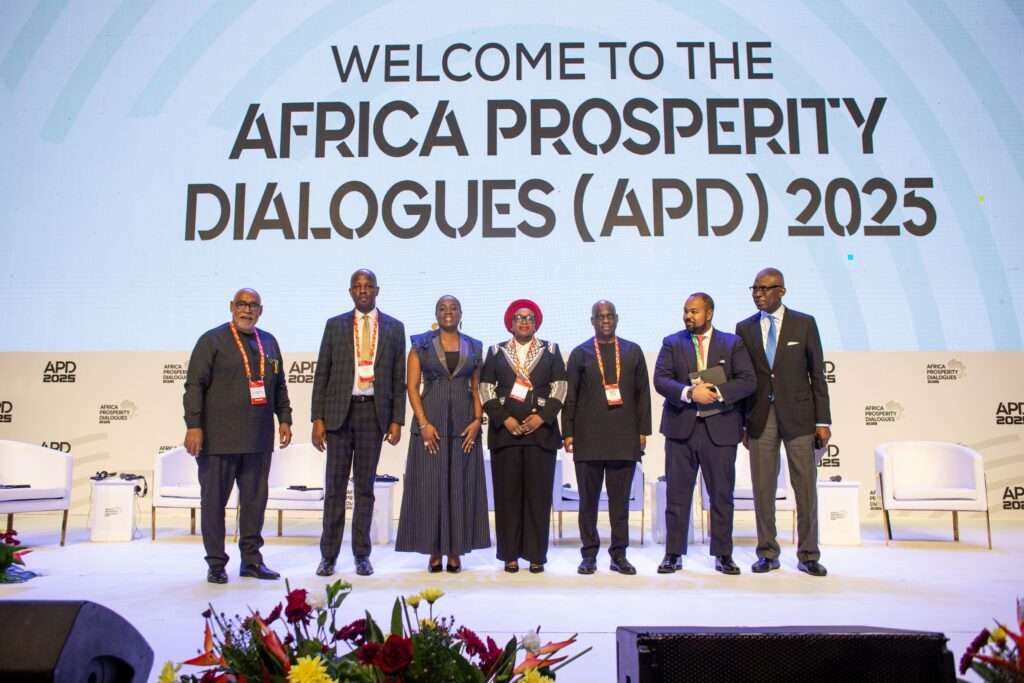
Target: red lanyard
point(600, 361)
point(245, 356)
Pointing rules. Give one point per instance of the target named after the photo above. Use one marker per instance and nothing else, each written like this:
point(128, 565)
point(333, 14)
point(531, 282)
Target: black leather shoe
point(622, 566)
point(435, 567)
point(588, 565)
point(724, 564)
point(812, 567)
point(325, 568)
point(453, 568)
point(670, 564)
point(258, 571)
point(512, 566)
point(363, 566)
point(216, 575)
point(536, 568)
point(764, 565)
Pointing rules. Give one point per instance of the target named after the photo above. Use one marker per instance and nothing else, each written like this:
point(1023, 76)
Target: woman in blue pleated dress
point(444, 499)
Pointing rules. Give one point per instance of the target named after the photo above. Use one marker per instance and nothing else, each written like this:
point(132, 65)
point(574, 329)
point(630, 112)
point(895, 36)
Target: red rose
point(367, 652)
point(297, 608)
point(395, 655)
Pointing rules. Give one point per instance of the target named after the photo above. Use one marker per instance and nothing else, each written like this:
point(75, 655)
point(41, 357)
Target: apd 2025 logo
point(60, 371)
point(1013, 498)
point(1010, 413)
point(301, 372)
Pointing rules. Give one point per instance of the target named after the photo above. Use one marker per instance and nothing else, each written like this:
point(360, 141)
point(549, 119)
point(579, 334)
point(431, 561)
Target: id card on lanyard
point(523, 385)
point(257, 390)
point(611, 391)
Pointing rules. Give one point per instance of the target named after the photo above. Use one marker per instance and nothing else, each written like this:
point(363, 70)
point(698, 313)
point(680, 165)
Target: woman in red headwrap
point(522, 388)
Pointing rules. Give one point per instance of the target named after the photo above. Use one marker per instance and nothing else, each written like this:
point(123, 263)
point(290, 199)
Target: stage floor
point(926, 584)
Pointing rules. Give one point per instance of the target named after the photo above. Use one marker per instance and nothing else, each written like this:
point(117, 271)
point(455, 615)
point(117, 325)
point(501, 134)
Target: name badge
point(519, 390)
point(612, 393)
point(365, 371)
point(257, 392)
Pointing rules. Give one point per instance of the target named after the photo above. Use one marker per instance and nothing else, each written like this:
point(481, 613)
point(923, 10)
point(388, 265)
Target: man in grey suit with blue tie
point(358, 402)
point(790, 406)
point(702, 422)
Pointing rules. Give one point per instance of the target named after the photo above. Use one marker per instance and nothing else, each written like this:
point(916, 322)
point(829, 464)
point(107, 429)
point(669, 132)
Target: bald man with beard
point(235, 388)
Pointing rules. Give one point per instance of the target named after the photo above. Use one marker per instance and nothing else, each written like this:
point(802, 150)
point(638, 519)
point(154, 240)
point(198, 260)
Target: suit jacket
point(797, 381)
point(335, 372)
point(547, 375)
point(677, 359)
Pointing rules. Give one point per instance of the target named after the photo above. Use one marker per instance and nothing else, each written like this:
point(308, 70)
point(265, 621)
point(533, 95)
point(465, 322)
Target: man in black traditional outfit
point(605, 424)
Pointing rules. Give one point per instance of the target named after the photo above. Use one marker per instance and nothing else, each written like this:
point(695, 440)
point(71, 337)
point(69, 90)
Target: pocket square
point(792, 343)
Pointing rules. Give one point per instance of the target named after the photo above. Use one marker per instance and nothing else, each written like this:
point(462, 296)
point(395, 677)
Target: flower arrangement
point(314, 648)
point(11, 556)
point(997, 655)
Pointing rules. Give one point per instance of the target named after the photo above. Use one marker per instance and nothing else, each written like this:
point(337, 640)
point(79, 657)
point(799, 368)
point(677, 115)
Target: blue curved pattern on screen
point(29, 40)
point(977, 71)
point(308, 35)
point(203, 33)
point(984, 253)
point(92, 66)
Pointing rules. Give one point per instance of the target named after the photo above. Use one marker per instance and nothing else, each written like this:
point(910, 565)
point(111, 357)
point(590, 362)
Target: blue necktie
point(769, 348)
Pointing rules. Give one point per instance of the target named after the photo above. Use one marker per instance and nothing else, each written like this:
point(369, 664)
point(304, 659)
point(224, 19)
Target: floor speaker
point(864, 654)
point(69, 640)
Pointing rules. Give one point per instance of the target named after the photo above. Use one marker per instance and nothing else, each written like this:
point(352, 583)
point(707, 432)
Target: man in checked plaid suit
point(358, 402)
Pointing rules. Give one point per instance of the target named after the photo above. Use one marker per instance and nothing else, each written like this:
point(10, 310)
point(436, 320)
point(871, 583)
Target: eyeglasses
point(763, 290)
point(248, 305)
point(523, 318)
point(605, 316)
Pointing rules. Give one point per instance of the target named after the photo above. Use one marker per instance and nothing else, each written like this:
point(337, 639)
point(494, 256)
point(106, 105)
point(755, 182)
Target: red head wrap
point(523, 303)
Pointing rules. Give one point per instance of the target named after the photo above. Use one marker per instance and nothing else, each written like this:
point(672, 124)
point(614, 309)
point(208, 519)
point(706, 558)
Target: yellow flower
point(169, 673)
point(413, 601)
point(431, 595)
point(535, 676)
point(308, 670)
point(427, 624)
point(998, 635)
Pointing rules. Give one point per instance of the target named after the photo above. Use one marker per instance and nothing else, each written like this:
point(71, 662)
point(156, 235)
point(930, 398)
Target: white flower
point(531, 641)
point(316, 602)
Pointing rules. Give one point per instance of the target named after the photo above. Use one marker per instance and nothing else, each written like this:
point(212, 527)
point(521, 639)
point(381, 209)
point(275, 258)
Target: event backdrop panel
point(117, 411)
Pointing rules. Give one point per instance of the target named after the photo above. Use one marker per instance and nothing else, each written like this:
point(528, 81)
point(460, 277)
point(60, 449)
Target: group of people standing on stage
point(762, 386)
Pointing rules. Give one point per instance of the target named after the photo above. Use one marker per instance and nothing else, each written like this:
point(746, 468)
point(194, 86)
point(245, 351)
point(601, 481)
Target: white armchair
point(48, 475)
point(931, 476)
point(566, 498)
point(176, 485)
point(743, 493)
point(297, 476)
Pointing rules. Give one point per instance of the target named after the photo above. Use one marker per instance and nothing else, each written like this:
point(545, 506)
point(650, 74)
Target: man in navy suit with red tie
point(790, 406)
point(702, 423)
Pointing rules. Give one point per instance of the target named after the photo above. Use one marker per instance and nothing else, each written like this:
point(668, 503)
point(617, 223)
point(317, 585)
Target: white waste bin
point(112, 512)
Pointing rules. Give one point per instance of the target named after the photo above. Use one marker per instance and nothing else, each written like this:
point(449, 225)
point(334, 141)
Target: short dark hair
point(706, 298)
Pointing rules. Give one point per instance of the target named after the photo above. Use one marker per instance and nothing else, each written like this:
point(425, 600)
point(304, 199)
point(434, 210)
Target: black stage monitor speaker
point(864, 654)
point(69, 641)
